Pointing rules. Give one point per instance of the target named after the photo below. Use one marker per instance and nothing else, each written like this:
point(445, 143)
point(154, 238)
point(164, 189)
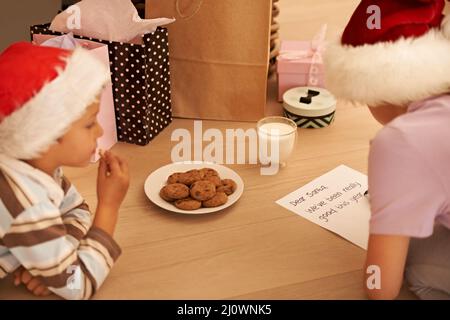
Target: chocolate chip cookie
point(189, 177)
point(174, 178)
point(219, 199)
point(163, 195)
point(188, 204)
point(214, 179)
point(174, 191)
point(203, 190)
point(228, 186)
point(208, 172)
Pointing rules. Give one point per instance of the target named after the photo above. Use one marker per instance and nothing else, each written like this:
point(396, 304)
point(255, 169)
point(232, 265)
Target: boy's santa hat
point(405, 59)
point(43, 91)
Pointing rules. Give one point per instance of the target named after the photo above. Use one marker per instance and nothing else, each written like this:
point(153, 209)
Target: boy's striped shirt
point(46, 227)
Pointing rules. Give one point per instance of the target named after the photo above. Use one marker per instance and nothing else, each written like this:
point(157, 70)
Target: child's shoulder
point(20, 191)
point(424, 125)
point(423, 115)
point(23, 200)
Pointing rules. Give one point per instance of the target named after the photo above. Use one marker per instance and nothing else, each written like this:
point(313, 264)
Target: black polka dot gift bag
point(141, 84)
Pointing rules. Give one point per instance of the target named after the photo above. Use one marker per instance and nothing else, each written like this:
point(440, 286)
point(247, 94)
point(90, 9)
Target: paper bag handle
point(187, 16)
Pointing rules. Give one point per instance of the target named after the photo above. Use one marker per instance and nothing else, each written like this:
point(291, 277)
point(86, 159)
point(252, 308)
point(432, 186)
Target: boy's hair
point(43, 91)
point(392, 52)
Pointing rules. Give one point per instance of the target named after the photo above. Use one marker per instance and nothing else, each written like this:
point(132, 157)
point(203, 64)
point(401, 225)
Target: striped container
point(309, 107)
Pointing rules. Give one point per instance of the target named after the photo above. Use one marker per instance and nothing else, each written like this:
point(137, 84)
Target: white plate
point(158, 179)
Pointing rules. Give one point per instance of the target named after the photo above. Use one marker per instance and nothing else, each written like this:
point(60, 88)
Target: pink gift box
point(299, 65)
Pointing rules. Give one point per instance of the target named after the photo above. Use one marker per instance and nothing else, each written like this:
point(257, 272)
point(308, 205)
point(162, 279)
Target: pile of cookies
point(194, 189)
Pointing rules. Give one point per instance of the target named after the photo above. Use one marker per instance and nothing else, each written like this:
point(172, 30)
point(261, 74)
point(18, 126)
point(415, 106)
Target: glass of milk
point(276, 137)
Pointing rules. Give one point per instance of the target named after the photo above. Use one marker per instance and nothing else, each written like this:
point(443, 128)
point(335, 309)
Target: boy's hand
point(112, 182)
point(34, 285)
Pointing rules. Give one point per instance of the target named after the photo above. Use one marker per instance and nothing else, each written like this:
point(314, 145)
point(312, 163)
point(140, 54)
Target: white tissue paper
point(66, 41)
point(112, 20)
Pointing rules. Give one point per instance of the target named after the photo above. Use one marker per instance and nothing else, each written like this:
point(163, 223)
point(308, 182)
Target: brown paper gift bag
point(219, 56)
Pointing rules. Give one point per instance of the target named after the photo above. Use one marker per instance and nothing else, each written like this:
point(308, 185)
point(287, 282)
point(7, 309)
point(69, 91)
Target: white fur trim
point(395, 73)
point(31, 130)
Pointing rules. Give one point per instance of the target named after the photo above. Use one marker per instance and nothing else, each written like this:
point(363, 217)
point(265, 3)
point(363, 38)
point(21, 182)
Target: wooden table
point(253, 250)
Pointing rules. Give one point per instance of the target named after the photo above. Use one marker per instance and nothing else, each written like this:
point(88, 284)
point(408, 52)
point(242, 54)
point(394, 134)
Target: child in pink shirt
point(394, 56)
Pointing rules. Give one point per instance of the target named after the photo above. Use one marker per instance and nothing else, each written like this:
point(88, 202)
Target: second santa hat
point(405, 58)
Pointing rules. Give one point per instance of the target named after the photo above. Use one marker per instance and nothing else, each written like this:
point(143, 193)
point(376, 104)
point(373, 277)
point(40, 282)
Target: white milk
point(281, 133)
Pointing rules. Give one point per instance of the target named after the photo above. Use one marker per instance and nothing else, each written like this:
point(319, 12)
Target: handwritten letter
point(336, 202)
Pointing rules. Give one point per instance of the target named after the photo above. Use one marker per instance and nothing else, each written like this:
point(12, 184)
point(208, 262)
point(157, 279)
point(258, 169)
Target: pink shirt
point(409, 171)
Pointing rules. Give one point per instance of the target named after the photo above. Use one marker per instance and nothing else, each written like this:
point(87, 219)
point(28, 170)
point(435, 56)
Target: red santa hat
point(43, 91)
point(403, 58)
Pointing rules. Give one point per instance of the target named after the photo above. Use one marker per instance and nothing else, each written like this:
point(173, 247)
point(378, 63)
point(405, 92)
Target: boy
point(48, 108)
point(394, 56)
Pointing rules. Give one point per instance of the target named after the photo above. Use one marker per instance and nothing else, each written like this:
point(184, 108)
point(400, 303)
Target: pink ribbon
point(295, 55)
